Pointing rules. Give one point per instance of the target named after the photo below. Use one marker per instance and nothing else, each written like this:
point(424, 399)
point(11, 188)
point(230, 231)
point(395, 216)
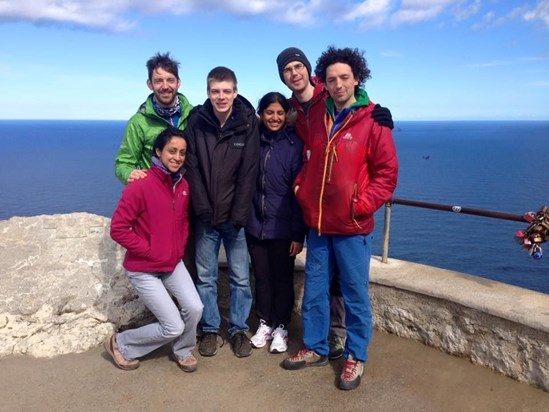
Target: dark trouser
point(189, 258)
point(274, 279)
point(337, 308)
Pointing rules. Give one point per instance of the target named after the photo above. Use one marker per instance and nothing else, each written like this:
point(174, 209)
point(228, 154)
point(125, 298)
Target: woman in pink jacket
point(151, 222)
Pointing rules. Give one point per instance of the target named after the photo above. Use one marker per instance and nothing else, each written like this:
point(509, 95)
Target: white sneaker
point(262, 335)
point(280, 340)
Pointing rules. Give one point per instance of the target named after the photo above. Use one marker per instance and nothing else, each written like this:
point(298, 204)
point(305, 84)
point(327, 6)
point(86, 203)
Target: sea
point(53, 166)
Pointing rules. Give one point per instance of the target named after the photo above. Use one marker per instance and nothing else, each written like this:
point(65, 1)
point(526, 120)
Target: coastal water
point(51, 167)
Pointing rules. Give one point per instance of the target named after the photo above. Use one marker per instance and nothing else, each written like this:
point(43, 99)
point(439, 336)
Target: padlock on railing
point(536, 233)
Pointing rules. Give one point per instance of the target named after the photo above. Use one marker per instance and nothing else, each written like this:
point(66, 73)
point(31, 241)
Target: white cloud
point(99, 14)
point(540, 12)
point(369, 13)
point(415, 11)
point(117, 15)
point(124, 15)
point(464, 12)
point(367, 9)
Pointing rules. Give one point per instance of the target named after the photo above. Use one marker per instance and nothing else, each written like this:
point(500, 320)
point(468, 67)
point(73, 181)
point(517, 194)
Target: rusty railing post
point(386, 229)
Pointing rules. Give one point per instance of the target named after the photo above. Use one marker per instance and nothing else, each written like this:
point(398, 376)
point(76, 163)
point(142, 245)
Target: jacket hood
point(361, 97)
point(319, 92)
point(284, 133)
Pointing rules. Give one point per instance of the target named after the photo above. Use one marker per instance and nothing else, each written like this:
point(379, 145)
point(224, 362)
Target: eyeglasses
point(297, 67)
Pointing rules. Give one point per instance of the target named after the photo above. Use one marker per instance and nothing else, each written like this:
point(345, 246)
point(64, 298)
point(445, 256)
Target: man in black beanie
point(289, 55)
point(294, 70)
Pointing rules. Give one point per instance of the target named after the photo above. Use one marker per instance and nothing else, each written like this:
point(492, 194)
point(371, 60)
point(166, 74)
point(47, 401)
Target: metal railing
point(436, 206)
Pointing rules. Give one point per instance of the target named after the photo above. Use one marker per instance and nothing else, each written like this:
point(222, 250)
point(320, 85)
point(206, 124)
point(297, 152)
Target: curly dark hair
point(353, 57)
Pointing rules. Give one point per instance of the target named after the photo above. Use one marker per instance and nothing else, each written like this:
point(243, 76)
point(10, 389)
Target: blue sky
point(430, 59)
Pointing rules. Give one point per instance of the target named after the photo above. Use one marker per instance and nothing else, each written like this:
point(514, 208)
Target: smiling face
point(340, 83)
point(296, 76)
point(173, 153)
point(273, 117)
point(164, 86)
point(222, 95)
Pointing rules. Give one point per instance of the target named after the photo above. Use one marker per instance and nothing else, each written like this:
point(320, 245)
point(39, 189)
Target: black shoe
point(337, 346)
point(241, 344)
point(208, 344)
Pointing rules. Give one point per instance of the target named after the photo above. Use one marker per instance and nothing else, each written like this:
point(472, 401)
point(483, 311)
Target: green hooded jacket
point(141, 131)
point(361, 97)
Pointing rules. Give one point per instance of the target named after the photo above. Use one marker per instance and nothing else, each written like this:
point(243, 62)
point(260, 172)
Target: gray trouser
point(174, 325)
point(337, 316)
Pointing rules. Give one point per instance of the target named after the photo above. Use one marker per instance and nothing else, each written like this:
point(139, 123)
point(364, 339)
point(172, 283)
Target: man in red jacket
point(308, 95)
point(350, 171)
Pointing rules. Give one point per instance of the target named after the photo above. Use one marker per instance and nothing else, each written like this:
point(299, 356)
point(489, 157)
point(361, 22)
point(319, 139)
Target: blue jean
point(351, 254)
point(174, 325)
point(208, 241)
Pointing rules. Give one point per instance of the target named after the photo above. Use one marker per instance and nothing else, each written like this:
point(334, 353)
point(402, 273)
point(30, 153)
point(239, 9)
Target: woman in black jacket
point(275, 228)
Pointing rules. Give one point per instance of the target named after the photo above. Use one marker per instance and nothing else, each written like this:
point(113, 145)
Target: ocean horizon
point(64, 166)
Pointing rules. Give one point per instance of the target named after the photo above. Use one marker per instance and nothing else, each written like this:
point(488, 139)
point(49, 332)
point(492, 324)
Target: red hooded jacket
point(350, 170)
point(152, 222)
point(317, 103)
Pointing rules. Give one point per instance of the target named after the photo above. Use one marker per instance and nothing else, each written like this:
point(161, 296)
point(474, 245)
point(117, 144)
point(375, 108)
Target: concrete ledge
point(508, 302)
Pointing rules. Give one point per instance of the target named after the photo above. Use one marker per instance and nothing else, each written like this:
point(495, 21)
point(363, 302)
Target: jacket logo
point(238, 144)
point(184, 193)
point(348, 136)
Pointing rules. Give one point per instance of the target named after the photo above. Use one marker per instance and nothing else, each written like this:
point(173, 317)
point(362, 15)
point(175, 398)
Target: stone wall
point(62, 287)
point(499, 326)
point(63, 290)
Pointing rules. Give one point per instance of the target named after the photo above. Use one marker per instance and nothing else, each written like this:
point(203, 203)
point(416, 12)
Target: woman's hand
point(295, 248)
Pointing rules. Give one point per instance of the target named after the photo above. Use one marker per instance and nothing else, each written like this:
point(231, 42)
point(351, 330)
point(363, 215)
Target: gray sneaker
point(208, 344)
point(351, 374)
point(304, 358)
point(241, 344)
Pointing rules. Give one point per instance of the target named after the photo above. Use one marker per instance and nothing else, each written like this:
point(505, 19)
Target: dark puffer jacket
point(222, 163)
point(275, 213)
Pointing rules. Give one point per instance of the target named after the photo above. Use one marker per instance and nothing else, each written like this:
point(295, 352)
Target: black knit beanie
point(288, 55)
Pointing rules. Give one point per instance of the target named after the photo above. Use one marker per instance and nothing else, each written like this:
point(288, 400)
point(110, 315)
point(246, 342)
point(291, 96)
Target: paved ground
point(402, 375)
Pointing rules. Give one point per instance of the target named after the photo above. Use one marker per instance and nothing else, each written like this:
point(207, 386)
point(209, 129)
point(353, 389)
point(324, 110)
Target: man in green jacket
point(163, 108)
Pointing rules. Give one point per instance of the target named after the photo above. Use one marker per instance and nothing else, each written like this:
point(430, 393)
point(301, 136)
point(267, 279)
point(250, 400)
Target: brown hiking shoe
point(112, 349)
point(304, 358)
point(188, 364)
point(351, 374)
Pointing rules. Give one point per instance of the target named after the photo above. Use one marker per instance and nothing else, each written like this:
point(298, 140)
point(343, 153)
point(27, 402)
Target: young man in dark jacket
point(222, 157)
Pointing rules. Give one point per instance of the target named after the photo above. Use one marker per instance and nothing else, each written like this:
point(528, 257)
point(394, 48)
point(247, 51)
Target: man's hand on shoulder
point(382, 115)
point(136, 174)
